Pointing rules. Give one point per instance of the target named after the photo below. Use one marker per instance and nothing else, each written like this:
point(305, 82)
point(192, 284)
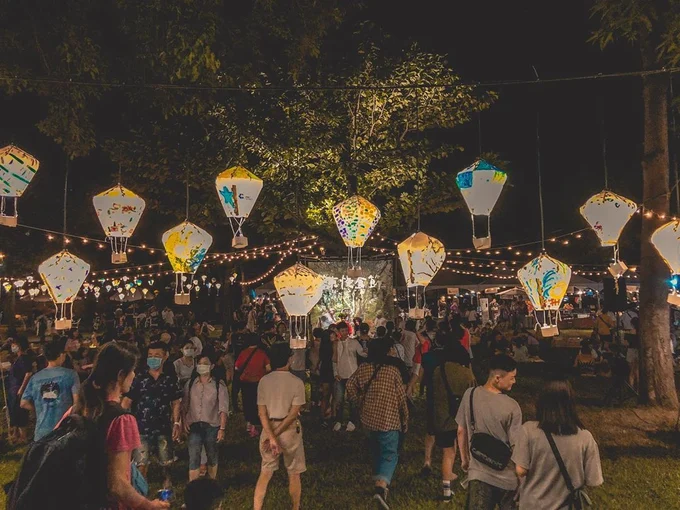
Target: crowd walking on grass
point(105, 407)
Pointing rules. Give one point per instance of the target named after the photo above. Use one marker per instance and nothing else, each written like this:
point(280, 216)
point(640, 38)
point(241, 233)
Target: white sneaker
point(350, 427)
point(337, 426)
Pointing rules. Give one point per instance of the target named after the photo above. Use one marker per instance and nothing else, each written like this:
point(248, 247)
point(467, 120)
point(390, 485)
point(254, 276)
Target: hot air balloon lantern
point(666, 240)
point(238, 190)
point(356, 219)
point(545, 280)
point(17, 168)
point(300, 289)
point(421, 257)
point(63, 274)
point(186, 246)
point(607, 213)
point(481, 184)
point(119, 211)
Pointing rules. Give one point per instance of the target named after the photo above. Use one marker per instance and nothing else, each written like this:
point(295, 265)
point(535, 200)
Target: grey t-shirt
point(544, 486)
point(500, 416)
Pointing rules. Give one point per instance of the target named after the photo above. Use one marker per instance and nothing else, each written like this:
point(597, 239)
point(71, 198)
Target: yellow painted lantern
point(356, 218)
point(186, 246)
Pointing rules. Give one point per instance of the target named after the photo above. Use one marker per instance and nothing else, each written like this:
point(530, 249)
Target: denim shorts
point(160, 444)
point(202, 434)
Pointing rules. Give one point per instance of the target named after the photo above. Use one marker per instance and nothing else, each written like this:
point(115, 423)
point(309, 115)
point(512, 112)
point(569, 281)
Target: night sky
point(485, 41)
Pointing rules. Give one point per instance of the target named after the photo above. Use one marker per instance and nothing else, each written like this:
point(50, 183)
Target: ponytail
point(110, 362)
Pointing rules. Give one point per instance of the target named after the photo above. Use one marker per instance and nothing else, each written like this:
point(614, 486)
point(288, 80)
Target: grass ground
point(638, 448)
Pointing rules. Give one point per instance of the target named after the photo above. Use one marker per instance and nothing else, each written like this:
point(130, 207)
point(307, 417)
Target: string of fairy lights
point(544, 278)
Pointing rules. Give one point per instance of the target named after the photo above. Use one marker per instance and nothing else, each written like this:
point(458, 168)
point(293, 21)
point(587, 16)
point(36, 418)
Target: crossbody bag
point(578, 499)
point(485, 448)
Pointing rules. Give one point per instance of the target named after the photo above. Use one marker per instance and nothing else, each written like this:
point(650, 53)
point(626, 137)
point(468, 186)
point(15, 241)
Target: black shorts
point(446, 439)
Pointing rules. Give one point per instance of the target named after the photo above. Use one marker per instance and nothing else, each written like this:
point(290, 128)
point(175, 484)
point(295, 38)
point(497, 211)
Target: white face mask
point(203, 369)
point(188, 352)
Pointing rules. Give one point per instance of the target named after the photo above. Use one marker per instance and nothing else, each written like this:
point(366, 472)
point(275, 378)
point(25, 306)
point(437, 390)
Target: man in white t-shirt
point(280, 396)
point(409, 341)
point(345, 363)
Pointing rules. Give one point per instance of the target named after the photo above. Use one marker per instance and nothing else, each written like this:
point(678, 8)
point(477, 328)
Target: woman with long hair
point(100, 395)
point(536, 462)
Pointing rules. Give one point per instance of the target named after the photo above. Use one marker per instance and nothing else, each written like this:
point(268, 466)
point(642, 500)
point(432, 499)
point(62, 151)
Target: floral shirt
point(152, 402)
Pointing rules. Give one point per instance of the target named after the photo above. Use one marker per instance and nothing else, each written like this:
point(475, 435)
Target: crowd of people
point(148, 390)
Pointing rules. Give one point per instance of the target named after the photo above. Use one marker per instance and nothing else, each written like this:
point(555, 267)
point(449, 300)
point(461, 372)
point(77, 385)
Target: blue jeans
point(385, 453)
point(339, 397)
point(201, 435)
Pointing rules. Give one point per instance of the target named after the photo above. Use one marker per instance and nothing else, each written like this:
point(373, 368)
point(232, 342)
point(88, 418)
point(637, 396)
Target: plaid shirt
point(384, 406)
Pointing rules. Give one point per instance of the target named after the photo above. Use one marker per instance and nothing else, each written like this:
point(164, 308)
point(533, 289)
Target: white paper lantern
point(421, 257)
point(63, 274)
point(607, 213)
point(186, 246)
point(119, 211)
point(666, 240)
point(238, 190)
point(300, 289)
point(481, 184)
point(17, 169)
point(545, 280)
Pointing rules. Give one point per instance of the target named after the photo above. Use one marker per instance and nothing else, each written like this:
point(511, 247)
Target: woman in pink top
point(112, 376)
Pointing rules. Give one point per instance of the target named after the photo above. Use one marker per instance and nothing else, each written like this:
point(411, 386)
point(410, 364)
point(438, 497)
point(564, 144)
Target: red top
point(123, 436)
point(465, 341)
point(421, 348)
point(257, 366)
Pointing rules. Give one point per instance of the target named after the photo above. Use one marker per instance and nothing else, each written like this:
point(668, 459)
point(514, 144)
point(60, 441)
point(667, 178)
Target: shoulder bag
point(578, 499)
point(485, 448)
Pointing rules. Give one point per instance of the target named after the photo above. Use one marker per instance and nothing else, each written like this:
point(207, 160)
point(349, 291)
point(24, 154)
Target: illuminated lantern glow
point(481, 184)
point(545, 280)
point(63, 275)
point(607, 213)
point(666, 240)
point(421, 257)
point(238, 189)
point(17, 169)
point(186, 246)
point(356, 219)
point(119, 211)
point(300, 289)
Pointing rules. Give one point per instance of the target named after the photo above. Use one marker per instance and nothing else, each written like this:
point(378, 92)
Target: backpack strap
point(472, 410)
point(560, 463)
point(250, 356)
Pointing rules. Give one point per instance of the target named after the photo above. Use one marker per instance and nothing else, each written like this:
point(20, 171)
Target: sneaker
point(337, 426)
point(350, 427)
point(426, 472)
point(447, 493)
point(380, 497)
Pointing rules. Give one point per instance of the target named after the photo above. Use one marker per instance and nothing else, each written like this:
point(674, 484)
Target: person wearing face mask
point(205, 407)
point(184, 366)
point(155, 401)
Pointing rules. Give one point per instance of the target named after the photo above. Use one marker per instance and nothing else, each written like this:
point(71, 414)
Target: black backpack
point(67, 468)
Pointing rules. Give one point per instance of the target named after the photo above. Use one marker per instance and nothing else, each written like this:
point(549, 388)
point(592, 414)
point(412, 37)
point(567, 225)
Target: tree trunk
point(657, 381)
